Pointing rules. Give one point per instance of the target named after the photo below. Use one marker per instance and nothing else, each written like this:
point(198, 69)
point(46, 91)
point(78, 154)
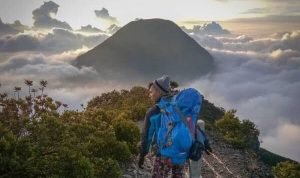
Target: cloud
point(259, 78)
point(49, 34)
point(19, 43)
point(207, 41)
point(113, 29)
point(274, 11)
point(76, 95)
point(62, 40)
point(290, 145)
point(54, 68)
point(238, 39)
point(19, 26)
point(19, 62)
point(66, 83)
point(290, 7)
point(257, 11)
point(277, 7)
point(274, 18)
point(56, 40)
point(222, 0)
point(8, 28)
point(103, 15)
point(42, 17)
point(90, 29)
point(287, 41)
point(211, 28)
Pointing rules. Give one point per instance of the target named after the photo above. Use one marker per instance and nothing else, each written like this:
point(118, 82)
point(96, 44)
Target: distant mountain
point(145, 49)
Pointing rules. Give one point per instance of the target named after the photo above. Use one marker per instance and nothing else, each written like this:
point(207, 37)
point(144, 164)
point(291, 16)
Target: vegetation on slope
point(36, 140)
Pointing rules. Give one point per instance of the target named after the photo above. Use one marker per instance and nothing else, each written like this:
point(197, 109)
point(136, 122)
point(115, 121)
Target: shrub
point(239, 134)
point(287, 169)
point(126, 130)
point(36, 140)
point(107, 168)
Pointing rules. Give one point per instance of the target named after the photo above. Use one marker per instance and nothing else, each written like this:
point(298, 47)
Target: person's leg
point(167, 167)
point(161, 168)
point(177, 171)
point(158, 168)
point(195, 168)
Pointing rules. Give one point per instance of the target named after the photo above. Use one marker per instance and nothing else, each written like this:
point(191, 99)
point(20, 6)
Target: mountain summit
point(145, 49)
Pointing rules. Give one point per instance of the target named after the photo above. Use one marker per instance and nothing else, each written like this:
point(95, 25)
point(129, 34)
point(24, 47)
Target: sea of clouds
point(260, 77)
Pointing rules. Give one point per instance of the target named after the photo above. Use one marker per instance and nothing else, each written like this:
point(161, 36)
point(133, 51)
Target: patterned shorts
point(163, 167)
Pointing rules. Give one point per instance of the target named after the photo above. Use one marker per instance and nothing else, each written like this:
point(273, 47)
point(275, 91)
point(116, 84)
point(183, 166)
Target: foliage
point(287, 169)
point(40, 138)
point(36, 140)
point(240, 134)
point(126, 131)
point(210, 113)
point(134, 101)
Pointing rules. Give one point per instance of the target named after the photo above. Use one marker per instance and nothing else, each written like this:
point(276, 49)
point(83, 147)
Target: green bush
point(209, 112)
point(38, 141)
point(107, 168)
point(127, 130)
point(135, 102)
point(71, 164)
point(239, 134)
point(287, 169)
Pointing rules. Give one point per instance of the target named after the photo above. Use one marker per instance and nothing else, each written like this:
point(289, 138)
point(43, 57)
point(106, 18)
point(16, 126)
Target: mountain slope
point(145, 49)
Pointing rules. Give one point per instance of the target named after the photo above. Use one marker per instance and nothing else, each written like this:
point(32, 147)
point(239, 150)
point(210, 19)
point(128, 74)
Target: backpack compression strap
point(183, 119)
point(167, 136)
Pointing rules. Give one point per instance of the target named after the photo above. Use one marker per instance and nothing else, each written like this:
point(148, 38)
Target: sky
point(81, 12)
point(129, 10)
point(255, 44)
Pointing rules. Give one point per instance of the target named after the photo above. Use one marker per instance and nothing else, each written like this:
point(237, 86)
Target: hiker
point(157, 89)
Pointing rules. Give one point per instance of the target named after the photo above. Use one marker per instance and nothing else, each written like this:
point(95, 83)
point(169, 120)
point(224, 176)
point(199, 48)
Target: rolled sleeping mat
point(201, 124)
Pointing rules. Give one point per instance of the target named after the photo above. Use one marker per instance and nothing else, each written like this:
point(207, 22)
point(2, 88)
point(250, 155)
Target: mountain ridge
point(145, 49)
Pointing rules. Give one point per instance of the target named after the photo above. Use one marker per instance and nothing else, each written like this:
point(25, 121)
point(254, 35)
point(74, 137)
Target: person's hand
point(141, 161)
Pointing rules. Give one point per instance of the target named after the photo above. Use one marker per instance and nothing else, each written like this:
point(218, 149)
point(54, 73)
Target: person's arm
point(144, 138)
point(145, 131)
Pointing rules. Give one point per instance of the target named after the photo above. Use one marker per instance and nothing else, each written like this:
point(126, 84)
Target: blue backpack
point(179, 115)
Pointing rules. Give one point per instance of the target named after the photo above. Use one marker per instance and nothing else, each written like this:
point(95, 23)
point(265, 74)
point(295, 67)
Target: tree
point(33, 90)
point(29, 84)
point(17, 90)
point(43, 84)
